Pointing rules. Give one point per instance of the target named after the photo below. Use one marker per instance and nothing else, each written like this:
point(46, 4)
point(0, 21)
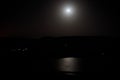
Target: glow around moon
point(69, 11)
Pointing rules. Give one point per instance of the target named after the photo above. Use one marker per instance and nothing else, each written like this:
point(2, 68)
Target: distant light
point(66, 45)
point(103, 53)
point(26, 49)
point(13, 49)
point(19, 49)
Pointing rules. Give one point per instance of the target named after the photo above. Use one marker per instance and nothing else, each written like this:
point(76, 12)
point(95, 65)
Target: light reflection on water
point(69, 64)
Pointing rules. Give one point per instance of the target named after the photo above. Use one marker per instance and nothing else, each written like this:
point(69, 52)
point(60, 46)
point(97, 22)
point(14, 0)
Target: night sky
point(40, 18)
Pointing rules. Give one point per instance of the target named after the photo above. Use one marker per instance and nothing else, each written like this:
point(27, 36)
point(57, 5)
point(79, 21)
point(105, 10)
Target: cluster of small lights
point(20, 50)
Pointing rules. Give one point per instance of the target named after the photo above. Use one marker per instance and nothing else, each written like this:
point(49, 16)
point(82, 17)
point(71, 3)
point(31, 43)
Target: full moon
point(68, 11)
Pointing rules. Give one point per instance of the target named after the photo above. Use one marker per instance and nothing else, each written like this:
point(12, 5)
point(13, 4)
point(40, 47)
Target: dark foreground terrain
point(93, 54)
